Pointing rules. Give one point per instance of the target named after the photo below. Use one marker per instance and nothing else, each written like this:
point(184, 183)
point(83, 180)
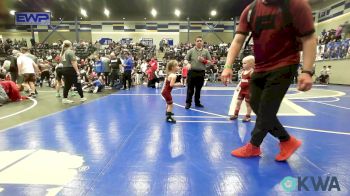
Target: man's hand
point(226, 76)
point(201, 59)
point(304, 82)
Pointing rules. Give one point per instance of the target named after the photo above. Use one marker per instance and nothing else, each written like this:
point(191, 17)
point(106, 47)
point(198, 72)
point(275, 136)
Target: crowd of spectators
point(334, 43)
point(115, 65)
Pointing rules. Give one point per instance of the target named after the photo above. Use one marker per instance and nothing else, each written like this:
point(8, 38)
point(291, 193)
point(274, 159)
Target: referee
point(197, 59)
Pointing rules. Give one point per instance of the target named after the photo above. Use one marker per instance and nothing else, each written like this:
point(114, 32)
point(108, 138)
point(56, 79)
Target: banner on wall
point(170, 41)
point(147, 41)
point(33, 18)
point(105, 41)
point(126, 41)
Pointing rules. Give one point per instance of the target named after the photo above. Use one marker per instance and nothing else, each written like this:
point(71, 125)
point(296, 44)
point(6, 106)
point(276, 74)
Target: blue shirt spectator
point(99, 66)
point(129, 62)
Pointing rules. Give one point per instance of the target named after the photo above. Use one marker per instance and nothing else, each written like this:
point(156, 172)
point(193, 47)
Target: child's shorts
point(168, 98)
point(244, 95)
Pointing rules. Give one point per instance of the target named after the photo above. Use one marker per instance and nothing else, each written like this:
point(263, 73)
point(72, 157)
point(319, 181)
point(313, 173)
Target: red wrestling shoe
point(249, 150)
point(288, 148)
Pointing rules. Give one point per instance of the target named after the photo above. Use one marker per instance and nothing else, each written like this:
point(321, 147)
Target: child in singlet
point(184, 74)
point(248, 68)
point(171, 69)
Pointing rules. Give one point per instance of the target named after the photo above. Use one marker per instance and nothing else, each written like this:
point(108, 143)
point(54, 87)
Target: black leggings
point(114, 77)
point(45, 74)
point(127, 77)
point(267, 91)
point(70, 78)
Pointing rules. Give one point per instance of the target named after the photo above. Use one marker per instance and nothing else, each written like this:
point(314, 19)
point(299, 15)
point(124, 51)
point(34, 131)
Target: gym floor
point(120, 144)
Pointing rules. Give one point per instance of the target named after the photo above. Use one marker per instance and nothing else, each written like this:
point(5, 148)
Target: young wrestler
point(172, 68)
point(248, 65)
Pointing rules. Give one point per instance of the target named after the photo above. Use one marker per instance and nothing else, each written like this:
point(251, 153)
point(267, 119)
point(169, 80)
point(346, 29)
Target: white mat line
point(174, 95)
point(317, 130)
point(306, 100)
point(346, 108)
point(203, 121)
point(24, 110)
point(200, 117)
point(204, 112)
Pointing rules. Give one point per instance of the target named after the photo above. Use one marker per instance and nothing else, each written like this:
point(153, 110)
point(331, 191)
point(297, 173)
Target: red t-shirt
point(152, 69)
point(11, 90)
point(277, 46)
point(184, 71)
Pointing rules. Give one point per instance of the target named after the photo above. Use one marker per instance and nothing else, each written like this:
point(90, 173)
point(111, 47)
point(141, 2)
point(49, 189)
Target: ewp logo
point(33, 18)
point(308, 183)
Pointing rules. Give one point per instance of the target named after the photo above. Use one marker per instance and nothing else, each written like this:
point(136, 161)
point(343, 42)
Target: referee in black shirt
point(197, 59)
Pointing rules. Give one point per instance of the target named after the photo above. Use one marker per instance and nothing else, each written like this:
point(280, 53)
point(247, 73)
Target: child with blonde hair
point(170, 82)
point(243, 87)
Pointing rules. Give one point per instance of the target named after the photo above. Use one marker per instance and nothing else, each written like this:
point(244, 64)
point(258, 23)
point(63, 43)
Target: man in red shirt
point(276, 49)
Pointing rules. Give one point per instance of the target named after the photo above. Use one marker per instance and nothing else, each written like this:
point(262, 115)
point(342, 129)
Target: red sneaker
point(288, 148)
point(248, 150)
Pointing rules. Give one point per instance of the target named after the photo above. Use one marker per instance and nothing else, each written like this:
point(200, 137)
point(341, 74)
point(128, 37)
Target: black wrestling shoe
point(199, 105)
point(170, 119)
point(187, 106)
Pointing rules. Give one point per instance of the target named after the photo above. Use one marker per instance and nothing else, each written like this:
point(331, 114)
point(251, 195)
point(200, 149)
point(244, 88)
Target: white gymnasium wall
point(136, 36)
point(340, 70)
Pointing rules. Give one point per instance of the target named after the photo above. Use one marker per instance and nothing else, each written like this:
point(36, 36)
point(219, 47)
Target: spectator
point(70, 71)
point(128, 67)
point(323, 75)
point(115, 64)
point(151, 72)
point(106, 69)
point(184, 75)
point(27, 69)
point(13, 68)
point(328, 73)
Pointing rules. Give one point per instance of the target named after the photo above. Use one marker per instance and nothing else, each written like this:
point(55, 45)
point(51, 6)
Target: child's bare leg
point(247, 117)
point(169, 114)
point(169, 108)
point(238, 106)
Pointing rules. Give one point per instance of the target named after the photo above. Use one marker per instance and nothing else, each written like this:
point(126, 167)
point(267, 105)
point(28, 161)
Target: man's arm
point(19, 65)
point(233, 52)
point(309, 54)
point(188, 59)
point(309, 51)
point(235, 48)
point(36, 67)
point(75, 66)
